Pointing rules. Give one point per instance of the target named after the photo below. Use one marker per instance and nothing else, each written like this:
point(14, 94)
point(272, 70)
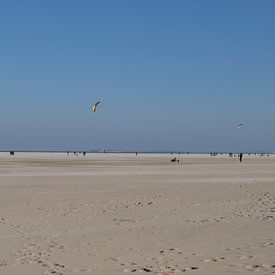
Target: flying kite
point(240, 125)
point(95, 106)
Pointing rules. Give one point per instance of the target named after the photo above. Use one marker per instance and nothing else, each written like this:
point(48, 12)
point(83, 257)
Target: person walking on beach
point(241, 157)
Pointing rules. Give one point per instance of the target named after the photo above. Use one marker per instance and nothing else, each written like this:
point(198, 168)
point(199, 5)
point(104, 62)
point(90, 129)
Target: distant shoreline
point(134, 152)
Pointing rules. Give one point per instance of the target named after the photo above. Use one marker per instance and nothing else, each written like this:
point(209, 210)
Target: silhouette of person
point(241, 157)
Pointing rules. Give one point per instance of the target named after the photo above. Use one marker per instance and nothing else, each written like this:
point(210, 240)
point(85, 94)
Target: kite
point(240, 125)
point(95, 106)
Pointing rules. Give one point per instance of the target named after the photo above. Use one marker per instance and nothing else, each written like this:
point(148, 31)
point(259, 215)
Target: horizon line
point(100, 151)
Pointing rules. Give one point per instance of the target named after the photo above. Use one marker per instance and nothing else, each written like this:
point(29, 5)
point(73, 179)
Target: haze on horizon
point(178, 75)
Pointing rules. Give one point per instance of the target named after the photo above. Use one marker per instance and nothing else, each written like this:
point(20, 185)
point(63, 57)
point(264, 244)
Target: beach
point(122, 213)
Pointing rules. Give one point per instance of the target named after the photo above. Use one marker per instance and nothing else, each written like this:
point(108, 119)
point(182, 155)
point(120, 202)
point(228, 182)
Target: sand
point(119, 214)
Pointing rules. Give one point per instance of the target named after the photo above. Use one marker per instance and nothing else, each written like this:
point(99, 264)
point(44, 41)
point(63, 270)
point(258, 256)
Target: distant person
point(174, 160)
point(136, 153)
point(241, 157)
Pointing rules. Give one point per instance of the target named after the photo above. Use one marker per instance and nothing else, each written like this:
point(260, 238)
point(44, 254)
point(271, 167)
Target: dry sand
point(113, 214)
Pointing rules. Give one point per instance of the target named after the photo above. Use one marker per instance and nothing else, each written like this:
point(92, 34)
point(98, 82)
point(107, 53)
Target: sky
point(171, 75)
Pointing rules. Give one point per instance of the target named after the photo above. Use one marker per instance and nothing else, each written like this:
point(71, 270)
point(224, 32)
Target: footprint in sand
point(260, 268)
point(245, 257)
point(83, 270)
point(214, 259)
point(59, 265)
point(3, 263)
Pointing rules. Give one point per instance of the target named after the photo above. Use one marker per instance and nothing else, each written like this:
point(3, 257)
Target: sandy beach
point(121, 213)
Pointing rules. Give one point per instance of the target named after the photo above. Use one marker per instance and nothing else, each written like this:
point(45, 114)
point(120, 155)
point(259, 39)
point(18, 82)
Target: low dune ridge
point(122, 213)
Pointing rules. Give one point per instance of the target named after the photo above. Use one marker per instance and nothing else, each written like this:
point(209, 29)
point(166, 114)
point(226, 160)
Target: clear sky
point(171, 75)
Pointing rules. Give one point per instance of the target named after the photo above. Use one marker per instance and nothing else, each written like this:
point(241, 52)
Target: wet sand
point(117, 214)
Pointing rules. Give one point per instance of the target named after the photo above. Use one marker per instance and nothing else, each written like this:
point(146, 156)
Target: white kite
point(240, 126)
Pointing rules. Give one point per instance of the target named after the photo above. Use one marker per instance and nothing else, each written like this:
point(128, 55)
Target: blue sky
point(171, 75)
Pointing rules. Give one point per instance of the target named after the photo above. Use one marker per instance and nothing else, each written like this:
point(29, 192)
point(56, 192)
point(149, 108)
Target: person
point(241, 157)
